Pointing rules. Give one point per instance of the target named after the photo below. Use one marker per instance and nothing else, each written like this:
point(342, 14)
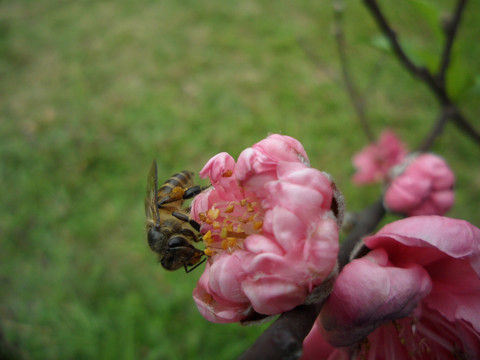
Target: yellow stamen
point(223, 233)
point(209, 252)
point(208, 299)
point(257, 225)
point(230, 223)
point(213, 213)
point(231, 242)
point(207, 238)
point(227, 173)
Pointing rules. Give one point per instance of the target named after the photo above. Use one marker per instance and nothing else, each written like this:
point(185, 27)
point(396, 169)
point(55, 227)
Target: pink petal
point(434, 167)
point(213, 310)
point(405, 193)
point(310, 178)
point(272, 294)
point(226, 276)
point(455, 238)
point(217, 166)
point(288, 229)
point(258, 244)
point(283, 148)
point(315, 348)
point(321, 247)
point(375, 160)
point(456, 290)
point(367, 293)
point(296, 198)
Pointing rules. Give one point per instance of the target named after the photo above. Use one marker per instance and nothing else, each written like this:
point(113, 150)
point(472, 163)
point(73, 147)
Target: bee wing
point(151, 199)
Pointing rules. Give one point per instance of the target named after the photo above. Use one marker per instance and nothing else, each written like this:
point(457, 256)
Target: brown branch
point(283, 340)
point(419, 72)
point(365, 223)
point(357, 101)
point(465, 126)
point(450, 33)
point(434, 83)
point(437, 129)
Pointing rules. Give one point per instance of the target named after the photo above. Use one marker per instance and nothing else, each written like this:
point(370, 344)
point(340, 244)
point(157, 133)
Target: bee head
point(156, 239)
point(179, 252)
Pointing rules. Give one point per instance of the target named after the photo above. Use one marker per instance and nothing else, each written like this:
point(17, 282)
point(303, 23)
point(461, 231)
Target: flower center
point(419, 338)
point(230, 223)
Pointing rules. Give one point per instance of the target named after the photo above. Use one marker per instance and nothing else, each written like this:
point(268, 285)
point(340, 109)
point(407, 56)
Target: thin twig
point(438, 87)
point(437, 129)
point(314, 58)
point(464, 125)
point(420, 72)
point(450, 33)
point(355, 98)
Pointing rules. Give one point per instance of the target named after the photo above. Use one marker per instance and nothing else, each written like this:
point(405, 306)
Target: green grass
point(92, 91)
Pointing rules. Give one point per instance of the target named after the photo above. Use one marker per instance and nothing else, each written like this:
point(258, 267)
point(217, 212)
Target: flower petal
point(215, 310)
point(273, 294)
point(367, 293)
point(455, 238)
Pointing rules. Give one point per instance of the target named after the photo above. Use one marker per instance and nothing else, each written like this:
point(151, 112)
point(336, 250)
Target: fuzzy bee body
point(170, 230)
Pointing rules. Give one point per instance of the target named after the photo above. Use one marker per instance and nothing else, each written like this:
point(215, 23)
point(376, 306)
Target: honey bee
point(169, 226)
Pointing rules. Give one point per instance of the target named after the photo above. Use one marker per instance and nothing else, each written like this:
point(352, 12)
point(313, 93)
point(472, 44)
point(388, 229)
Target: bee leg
point(186, 218)
point(187, 270)
point(193, 191)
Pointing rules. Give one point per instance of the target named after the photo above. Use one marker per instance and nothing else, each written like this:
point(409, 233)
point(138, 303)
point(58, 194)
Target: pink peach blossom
point(375, 160)
point(268, 228)
point(415, 295)
point(425, 187)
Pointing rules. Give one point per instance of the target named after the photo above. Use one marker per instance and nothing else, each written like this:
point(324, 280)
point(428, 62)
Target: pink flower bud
point(268, 228)
point(415, 295)
point(375, 160)
point(425, 187)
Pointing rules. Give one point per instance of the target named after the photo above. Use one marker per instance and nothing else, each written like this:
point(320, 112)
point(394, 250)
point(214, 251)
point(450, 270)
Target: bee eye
point(178, 241)
point(154, 237)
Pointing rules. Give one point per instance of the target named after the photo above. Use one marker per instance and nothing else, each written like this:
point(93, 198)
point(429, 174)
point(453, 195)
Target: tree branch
point(419, 72)
point(283, 340)
point(365, 223)
point(435, 83)
point(450, 33)
point(437, 129)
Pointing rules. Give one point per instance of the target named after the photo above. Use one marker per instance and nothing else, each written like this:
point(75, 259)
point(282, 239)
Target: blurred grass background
point(91, 92)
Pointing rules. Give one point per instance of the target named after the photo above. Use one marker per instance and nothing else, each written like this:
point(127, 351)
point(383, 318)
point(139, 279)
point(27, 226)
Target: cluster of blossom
point(269, 230)
point(416, 184)
point(270, 225)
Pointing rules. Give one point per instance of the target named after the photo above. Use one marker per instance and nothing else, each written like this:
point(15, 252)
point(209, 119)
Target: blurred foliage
point(92, 91)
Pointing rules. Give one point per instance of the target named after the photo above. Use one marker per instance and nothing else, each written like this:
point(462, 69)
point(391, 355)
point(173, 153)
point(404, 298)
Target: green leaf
point(381, 43)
